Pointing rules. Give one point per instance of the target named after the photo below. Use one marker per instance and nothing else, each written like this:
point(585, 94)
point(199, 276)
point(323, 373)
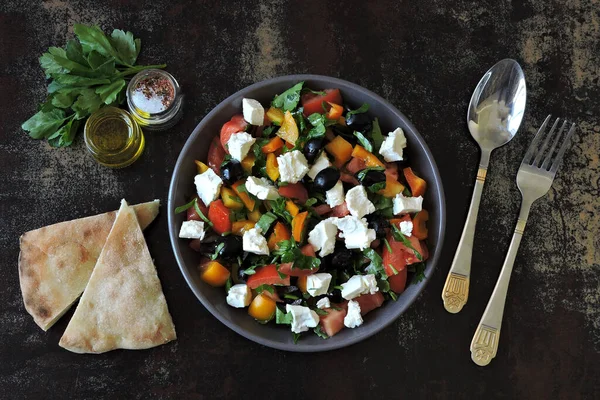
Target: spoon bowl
point(497, 105)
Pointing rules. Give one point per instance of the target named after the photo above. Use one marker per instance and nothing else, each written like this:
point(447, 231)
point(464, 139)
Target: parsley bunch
point(87, 74)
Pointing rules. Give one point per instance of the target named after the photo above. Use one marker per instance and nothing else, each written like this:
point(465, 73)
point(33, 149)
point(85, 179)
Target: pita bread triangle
point(122, 306)
point(56, 261)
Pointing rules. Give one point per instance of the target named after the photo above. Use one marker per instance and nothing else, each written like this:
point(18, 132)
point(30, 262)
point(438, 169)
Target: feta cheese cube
point(254, 242)
point(261, 188)
point(239, 296)
point(392, 147)
point(320, 164)
point(193, 230)
point(302, 318)
point(239, 144)
point(358, 203)
point(324, 303)
point(354, 287)
point(335, 195)
point(355, 232)
point(292, 166)
point(406, 228)
point(405, 205)
point(370, 284)
point(322, 237)
point(358, 285)
point(318, 284)
point(253, 111)
point(208, 186)
point(353, 317)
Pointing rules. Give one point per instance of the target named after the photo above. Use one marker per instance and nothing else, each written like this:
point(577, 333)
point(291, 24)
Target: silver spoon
point(494, 116)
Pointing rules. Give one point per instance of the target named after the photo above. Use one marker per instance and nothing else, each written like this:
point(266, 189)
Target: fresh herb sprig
point(289, 251)
point(89, 73)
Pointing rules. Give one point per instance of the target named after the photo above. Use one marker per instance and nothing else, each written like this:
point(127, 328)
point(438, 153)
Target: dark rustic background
point(425, 57)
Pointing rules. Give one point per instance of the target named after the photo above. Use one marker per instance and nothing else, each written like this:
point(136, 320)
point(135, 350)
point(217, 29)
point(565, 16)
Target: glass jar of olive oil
point(113, 137)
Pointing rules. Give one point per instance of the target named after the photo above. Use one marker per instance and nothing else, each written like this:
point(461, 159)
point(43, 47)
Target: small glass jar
point(154, 99)
point(113, 137)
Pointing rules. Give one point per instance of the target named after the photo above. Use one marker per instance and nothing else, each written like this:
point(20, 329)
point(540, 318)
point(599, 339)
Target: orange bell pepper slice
point(262, 308)
point(289, 129)
point(340, 149)
point(214, 273)
point(368, 157)
point(420, 225)
point(292, 208)
point(247, 200)
point(274, 144)
point(272, 166)
point(417, 185)
point(280, 233)
point(335, 112)
point(298, 225)
point(392, 188)
point(239, 227)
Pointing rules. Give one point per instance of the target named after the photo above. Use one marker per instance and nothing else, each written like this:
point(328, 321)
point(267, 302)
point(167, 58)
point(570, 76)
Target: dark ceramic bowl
point(182, 188)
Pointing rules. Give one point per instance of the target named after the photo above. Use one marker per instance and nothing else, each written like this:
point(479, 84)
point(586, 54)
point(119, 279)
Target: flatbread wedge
point(122, 306)
point(56, 261)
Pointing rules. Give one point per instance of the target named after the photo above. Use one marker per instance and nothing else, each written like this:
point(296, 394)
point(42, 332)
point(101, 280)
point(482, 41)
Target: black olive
point(312, 149)
point(371, 177)
point(327, 178)
point(336, 296)
point(289, 294)
point(232, 171)
point(342, 258)
point(379, 224)
point(359, 122)
point(345, 133)
point(230, 247)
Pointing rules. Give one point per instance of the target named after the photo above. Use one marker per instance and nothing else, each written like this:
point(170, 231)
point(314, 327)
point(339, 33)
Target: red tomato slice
point(288, 269)
point(333, 322)
point(322, 209)
point(216, 155)
point(192, 215)
point(355, 165)
point(345, 177)
point(398, 282)
point(340, 211)
point(196, 245)
point(218, 214)
point(308, 250)
point(267, 275)
point(312, 103)
point(235, 125)
point(391, 170)
point(294, 191)
point(396, 258)
point(369, 302)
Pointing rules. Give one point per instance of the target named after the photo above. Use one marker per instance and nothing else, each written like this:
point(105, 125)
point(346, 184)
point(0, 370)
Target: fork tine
point(548, 158)
point(538, 136)
point(562, 150)
point(542, 149)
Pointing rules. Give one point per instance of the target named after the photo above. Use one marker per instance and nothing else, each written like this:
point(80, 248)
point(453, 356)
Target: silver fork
point(534, 180)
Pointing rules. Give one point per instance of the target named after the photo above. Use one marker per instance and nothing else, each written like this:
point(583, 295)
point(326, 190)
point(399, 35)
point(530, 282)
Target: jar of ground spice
point(154, 99)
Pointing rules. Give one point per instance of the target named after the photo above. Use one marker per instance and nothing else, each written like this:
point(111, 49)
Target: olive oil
point(113, 137)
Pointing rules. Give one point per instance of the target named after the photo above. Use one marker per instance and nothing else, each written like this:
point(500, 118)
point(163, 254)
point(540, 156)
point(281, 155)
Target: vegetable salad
point(307, 213)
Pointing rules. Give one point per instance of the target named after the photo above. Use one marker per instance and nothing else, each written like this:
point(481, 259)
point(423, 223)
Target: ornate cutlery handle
point(485, 341)
point(456, 289)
